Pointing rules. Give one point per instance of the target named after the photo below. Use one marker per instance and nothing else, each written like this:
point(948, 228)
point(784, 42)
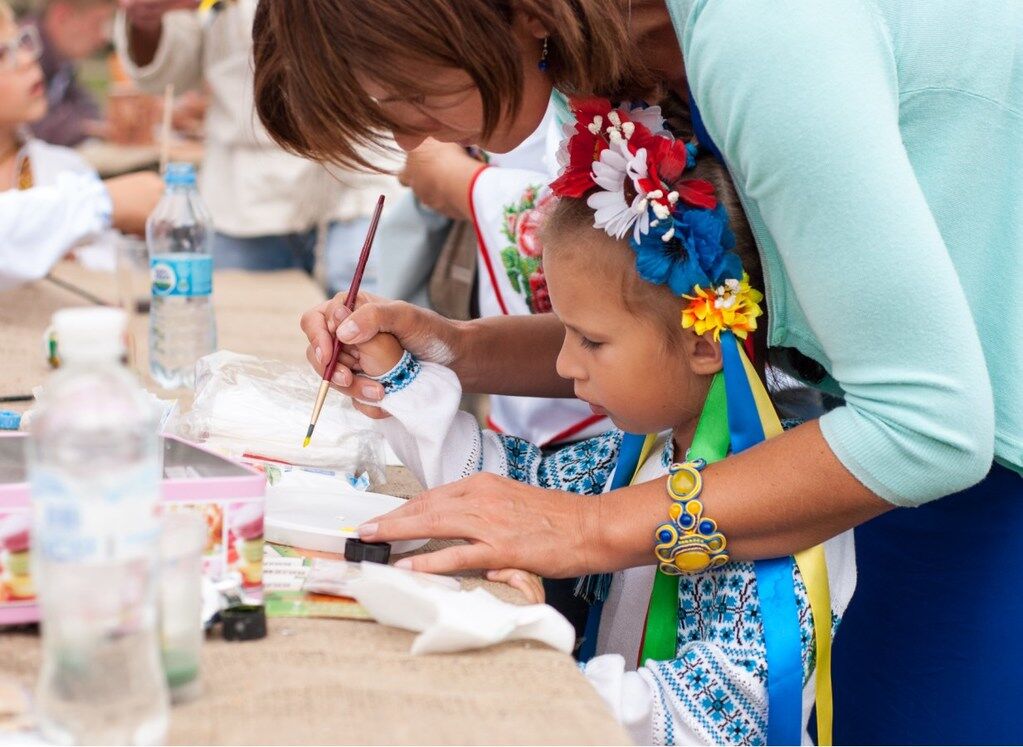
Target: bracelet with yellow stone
point(690, 542)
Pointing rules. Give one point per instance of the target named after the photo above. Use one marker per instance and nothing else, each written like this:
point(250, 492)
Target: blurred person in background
point(70, 31)
point(266, 204)
point(50, 199)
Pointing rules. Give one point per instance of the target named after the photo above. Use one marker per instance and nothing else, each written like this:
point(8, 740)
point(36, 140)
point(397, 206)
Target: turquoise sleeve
point(802, 98)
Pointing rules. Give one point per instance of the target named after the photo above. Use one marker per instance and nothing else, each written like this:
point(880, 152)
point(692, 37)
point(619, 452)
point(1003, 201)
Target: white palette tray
point(315, 520)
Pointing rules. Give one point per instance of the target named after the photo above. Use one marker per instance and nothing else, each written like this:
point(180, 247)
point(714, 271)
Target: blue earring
point(542, 64)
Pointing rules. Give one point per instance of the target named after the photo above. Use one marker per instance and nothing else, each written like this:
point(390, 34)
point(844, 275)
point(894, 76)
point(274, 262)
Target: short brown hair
point(308, 53)
point(569, 219)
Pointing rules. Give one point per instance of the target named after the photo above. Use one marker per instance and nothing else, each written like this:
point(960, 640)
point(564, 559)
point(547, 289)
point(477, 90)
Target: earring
point(542, 64)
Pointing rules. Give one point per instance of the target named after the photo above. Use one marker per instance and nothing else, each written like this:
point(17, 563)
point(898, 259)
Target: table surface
point(318, 681)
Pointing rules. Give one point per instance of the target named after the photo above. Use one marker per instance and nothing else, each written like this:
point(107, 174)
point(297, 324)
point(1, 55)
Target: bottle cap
point(90, 333)
point(372, 552)
point(243, 622)
point(9, 421)
point(179, 175)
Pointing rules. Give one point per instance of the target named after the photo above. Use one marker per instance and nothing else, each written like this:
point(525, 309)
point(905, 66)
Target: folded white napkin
point(450, 620)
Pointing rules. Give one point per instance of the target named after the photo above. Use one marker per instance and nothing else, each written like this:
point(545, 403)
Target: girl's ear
point(704, 354)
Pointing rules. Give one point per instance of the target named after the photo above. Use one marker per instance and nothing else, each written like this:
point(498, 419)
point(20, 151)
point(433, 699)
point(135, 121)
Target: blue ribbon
point(774, 577)
point(628, 460)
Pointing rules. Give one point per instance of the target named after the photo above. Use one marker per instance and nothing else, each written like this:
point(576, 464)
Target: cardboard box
point(229, 496)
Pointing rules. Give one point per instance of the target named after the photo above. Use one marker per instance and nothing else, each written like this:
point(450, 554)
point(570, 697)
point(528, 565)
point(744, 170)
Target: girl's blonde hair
point(310, 54)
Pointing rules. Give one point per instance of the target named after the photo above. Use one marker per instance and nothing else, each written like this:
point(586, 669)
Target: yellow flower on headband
point(733, 305)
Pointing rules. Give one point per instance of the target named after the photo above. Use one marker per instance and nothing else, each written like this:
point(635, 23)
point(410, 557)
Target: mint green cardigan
point(877, 146)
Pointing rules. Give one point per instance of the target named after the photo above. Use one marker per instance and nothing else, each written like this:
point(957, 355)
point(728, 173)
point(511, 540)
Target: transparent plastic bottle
point(94, 469)
point(182, 328)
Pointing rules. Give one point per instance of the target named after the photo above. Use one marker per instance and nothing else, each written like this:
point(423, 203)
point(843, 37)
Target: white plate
point(315, 520)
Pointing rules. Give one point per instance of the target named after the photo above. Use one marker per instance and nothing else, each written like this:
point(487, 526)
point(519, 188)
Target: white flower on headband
point(617, 204)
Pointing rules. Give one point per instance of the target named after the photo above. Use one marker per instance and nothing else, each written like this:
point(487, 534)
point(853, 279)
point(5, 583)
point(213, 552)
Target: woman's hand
point(439, 174)
point(507, 525)
point(425, 334)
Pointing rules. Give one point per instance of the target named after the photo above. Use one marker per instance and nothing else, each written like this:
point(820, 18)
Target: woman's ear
point(704, 354)
point(531, 25)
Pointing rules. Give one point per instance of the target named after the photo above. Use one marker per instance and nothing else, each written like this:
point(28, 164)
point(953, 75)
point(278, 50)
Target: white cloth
point(39, 225)
point(449, 620)
point(251, 186)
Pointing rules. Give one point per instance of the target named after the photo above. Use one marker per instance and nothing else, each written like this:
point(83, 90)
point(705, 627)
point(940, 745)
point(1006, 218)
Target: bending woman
point(875, 146)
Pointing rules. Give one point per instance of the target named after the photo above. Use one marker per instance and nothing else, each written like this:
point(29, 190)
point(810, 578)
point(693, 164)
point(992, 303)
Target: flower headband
point(631, 171)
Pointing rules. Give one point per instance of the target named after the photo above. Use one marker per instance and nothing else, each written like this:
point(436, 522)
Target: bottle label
point(182, 275)
point(82, 522)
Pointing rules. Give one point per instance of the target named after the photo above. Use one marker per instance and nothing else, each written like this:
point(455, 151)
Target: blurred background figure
point(267, 205)
point(70, 31)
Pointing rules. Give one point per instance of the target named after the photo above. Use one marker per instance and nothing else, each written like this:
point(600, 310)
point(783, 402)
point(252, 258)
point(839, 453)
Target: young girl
point(50, 199)
point(663, 253)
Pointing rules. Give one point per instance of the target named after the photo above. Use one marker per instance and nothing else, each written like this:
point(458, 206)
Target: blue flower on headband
point(698, 251)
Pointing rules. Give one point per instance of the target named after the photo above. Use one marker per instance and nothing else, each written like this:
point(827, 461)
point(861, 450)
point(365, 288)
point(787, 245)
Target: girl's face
point(22, 90)
point(622, 365)
point(457, 117)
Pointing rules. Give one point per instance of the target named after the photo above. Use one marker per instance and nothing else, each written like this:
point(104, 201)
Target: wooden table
point(319, 681)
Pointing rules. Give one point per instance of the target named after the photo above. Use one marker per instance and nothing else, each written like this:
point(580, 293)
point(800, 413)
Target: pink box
point(230, 496)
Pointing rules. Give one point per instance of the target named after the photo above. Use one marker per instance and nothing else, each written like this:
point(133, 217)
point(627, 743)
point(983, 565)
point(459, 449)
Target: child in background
point(50, 199)
point(663, 253)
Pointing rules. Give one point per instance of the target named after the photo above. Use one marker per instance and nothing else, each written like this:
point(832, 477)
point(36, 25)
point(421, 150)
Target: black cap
point(372, 552)
point(244, 622)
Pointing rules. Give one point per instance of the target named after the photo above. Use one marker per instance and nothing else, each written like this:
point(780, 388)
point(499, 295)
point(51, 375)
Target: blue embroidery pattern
point(523, 458)
point(719, 631)
point(584, 467)
point(404, 373)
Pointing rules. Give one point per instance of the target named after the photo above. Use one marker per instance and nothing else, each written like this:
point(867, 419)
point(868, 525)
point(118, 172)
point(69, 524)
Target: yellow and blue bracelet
point(690, 542)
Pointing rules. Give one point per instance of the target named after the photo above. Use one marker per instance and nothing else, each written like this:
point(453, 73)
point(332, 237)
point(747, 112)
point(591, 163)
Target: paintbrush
point(353, 293)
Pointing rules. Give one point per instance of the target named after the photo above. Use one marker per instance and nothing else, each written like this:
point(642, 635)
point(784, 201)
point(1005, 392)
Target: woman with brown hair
point(875, 148)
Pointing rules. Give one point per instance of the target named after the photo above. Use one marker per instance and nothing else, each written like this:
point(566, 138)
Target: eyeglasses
point(26, 41)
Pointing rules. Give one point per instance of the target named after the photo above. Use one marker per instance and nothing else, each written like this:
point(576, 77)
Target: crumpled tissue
point(448, 620)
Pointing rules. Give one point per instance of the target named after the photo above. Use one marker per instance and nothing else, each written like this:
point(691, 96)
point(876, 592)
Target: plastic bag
point(260, 409)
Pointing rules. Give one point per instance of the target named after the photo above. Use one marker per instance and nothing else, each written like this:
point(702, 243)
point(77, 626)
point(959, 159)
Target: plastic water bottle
point(94, 468)
point(182, 328)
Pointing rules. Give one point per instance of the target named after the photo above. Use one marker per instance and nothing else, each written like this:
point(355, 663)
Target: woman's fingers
point(449, 559)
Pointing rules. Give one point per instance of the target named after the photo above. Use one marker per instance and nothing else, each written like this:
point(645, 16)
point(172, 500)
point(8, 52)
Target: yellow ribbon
point(814, 569)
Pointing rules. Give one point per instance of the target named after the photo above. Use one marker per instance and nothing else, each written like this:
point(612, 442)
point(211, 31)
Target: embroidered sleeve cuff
point(405, 371)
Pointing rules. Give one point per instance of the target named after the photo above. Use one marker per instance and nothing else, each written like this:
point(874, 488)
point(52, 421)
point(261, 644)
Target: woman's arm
point(775, 499)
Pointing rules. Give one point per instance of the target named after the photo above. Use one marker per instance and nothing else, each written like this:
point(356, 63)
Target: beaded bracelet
point(689, 543)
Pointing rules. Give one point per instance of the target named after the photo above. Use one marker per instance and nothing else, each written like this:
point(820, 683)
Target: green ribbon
point(710, 443)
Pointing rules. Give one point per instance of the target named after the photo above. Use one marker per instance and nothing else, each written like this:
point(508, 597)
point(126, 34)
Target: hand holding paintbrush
point(353, 294)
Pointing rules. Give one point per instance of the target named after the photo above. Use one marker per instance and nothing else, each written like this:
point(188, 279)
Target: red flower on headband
point(697, 193)
point(587, 138)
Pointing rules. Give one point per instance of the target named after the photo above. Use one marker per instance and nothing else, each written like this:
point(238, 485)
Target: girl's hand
point(528, 583)
point(425, 334)
point(439, 174)
point(375, 357)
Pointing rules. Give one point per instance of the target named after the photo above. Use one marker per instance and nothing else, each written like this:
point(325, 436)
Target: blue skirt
point(930, 650)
